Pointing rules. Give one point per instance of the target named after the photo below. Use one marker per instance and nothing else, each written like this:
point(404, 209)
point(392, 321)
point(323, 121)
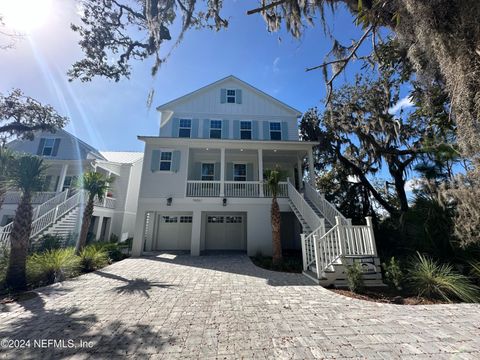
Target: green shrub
point(114, 252)
point(393, 273)
point(475, 270)
point(93, 257)
point(49, 242)
point(4, 256)
point(354, 277)
point(113, 238)
point(52, 266)
point(433, 280)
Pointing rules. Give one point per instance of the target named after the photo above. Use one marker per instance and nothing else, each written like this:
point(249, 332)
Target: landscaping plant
point(354, 277)
point(52, 266)
point(439, 281)
point(93, 257)
point(393, 273)
point(272, 179)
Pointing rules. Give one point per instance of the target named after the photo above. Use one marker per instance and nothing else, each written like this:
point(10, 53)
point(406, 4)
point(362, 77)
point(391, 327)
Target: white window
point(170, 219)
point(166, 161)
point(208, 171)
point(185, 128)
point(231, 96)
point(215, 129)
point(233, 219)
point(245, 130)
point(239, 172)
point(275, 131)
point(185, 219)
point(48, 147)
point(215, 219)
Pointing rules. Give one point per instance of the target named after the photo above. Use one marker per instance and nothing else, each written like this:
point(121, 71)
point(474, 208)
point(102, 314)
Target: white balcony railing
point(107, 202)
point(239, 189)
point(13, 197)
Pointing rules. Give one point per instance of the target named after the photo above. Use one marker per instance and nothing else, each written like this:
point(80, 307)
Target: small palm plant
point(7, 158)
point(96, 185)
point(26, 174)
point(272, 179)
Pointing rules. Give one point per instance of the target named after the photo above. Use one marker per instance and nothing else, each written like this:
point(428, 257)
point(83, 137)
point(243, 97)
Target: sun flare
point(25, 15)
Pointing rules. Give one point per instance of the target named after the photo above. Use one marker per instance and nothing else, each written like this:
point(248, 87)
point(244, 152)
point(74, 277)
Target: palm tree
point(26, 174)
point(6, 159)
point(272, 179)
point(96, 185)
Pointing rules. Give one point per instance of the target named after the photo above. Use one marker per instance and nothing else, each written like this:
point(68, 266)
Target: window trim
point(245, 130)
point(215, 129)
point(51, 147)
point(246, 171)
point(234, 96)
point(275, 131)
point(180, 128)
point(165, 161)
point(201, 170)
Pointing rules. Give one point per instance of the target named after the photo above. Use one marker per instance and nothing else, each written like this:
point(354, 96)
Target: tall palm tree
point(6, 159)
point(96, 185)
point(272, 179)
point(26, 174)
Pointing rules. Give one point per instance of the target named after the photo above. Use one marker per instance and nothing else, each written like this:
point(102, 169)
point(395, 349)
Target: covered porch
point(240, 172)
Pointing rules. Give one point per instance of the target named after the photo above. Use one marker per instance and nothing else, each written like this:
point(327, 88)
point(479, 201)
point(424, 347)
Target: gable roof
point(225, 79)
point(122, 157)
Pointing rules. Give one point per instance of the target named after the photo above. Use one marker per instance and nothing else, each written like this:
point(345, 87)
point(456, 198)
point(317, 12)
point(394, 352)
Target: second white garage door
point(174, 232)
point(225, 232)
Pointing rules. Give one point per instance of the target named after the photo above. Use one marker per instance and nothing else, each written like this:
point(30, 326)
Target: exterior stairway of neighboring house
point(330, 242)
point(59, 215)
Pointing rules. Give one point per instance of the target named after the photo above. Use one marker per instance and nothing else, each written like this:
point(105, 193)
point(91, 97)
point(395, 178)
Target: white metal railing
point(306, 211)
point(198, 188)
point(14, 197)
point(47, 219)
point(328, 210)
point(282, 189)
point(107, 202)
point(50, 204)
point(242, 188)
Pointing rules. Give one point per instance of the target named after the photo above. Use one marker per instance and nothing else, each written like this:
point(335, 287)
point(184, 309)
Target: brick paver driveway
point(225, 307)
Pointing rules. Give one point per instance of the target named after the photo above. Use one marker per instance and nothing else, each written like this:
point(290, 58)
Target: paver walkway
point(225, 307)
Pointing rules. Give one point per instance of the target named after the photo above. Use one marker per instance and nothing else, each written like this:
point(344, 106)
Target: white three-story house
point(202, 185)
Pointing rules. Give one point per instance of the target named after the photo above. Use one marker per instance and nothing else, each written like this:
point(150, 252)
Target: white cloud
point(275, 67)
point(406, 102)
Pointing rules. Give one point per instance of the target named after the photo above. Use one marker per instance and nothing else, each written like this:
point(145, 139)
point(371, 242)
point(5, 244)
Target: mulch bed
point(386, 295)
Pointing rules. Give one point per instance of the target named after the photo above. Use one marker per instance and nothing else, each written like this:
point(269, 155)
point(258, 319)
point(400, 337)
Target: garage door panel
point(174, 232)
point(225, 232)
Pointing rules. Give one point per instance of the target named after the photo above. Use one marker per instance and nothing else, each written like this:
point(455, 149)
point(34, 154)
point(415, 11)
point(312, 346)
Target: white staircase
point(57, 215)
point(330, 242)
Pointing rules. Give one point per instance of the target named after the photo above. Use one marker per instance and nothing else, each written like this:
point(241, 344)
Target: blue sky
point(110, 115)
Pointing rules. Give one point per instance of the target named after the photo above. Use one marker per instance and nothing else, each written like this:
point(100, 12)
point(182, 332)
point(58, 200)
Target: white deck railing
point(328, 210)
point(107, 202)
point(308, 214)
point(14, 197)
point(239, 189)
point(47, 219)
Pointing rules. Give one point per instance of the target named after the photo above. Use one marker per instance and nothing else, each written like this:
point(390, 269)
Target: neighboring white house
point(57, 210)
point(202, 185)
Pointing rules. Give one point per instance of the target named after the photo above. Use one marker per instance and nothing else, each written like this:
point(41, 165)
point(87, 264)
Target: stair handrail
point(50, 217)
point(50, 204)
point(328, 210)
point(312, 219)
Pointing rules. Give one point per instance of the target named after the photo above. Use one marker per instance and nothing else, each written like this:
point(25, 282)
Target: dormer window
point(275, 131)
point(185, 128)
point(246, 130)
point(231, 96)
point(215, 129)
point(48, 147)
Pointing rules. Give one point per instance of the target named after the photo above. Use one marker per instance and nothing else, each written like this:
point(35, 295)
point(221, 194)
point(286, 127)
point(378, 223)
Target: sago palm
point(26, 174)
point(96, 185)
point(272, 180)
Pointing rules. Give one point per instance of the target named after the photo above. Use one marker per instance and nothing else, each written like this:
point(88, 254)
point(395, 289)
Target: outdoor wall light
point(224, 201)
point(169, 201)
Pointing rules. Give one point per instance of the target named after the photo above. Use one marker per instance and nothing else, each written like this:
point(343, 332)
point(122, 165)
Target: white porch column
point(61, 180)
point(260, 171)
point(300, 174)
point(98, 227)
point(311, 169)
point(196, 233)
point(222, 172)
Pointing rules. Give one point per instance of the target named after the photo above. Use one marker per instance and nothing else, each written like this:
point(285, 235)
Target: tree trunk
point(87, 218)
point(19, 240)
point(277, 242)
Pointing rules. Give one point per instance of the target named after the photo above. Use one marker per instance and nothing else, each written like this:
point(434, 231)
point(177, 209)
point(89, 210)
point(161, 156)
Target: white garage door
point(174, 232)
point(225, 232)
